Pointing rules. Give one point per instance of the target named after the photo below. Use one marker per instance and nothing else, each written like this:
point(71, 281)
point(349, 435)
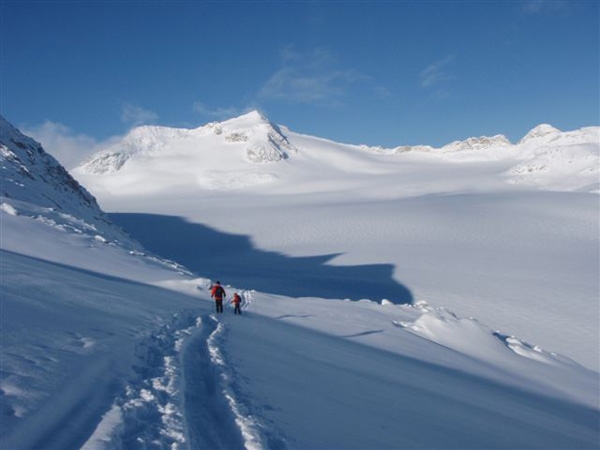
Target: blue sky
point(372, 72)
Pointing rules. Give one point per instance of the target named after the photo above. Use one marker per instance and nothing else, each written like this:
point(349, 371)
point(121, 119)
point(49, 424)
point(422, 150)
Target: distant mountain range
point(241, 147)
point(251, 151)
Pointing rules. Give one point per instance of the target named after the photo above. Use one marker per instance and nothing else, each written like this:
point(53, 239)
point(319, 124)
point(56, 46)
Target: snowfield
point(462, 227)
point(391, 300)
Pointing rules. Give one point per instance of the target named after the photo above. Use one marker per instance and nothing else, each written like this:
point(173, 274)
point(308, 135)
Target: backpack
point(218, 291)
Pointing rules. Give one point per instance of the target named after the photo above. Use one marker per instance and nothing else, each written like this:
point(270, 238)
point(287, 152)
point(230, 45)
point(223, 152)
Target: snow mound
point(472, 338)
point(8, 209)
point(534, 352)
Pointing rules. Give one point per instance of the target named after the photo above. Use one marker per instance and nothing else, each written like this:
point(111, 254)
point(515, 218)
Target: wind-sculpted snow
point(470, 337)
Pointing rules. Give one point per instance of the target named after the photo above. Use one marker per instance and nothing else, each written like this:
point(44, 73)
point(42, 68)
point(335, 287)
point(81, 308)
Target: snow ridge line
point(248, 424)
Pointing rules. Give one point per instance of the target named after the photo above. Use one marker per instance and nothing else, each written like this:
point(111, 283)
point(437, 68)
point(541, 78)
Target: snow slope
point(97, 361)
point(504, 232)
point(105, 345)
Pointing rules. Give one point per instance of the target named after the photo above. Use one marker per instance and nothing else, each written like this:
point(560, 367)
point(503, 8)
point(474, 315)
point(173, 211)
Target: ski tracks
point(184, 396)
point(209, 392)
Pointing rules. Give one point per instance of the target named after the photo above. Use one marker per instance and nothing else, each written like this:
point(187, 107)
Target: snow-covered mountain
point(563, 161)
point(36, 188)
point(223, 156)
point(36, 185)
point(29, 174)
point(260, 141)
point(107, 347)
point(482, 143)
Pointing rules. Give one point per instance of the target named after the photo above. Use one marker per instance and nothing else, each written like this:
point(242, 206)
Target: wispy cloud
point(544, 6)
point(436, 72)
point(136, 115)
point(309, 77)
point(68, 147)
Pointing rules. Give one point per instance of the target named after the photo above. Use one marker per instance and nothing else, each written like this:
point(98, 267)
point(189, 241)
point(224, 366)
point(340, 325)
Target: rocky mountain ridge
point(36, 185)
point(32, 175)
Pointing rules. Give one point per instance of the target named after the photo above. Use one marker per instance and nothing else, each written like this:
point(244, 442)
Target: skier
point(218, 293)
point(237, 300)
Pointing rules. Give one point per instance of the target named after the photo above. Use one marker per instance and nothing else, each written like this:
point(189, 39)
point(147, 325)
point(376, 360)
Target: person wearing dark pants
point(218, 293)
point(237, 301)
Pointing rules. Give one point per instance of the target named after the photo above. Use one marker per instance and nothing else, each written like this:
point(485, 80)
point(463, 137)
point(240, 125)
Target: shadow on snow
point(233, 260)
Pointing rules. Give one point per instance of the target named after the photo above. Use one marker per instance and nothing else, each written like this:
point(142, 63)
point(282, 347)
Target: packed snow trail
point(208, 419)
point(185, 396)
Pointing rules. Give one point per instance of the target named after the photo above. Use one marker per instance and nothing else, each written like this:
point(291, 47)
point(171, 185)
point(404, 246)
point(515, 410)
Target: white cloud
point(136, 115)
point(436, 72)
point(309, 77)
point(67, 147)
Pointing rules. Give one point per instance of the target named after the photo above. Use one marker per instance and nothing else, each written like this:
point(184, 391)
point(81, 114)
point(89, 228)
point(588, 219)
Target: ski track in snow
point(184, 397)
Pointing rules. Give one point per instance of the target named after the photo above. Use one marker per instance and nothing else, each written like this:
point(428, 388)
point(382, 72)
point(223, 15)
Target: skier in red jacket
point(218, 293)
point(237, 301)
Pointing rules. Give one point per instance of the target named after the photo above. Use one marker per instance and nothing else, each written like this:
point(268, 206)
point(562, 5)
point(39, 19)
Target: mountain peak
point(251, 135)
point(255, 115)
point(248, 120)
point(265, 141)
point(541, 131)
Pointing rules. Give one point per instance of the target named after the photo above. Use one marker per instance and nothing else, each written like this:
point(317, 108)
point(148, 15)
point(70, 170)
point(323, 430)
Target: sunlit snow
point(391, 299)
